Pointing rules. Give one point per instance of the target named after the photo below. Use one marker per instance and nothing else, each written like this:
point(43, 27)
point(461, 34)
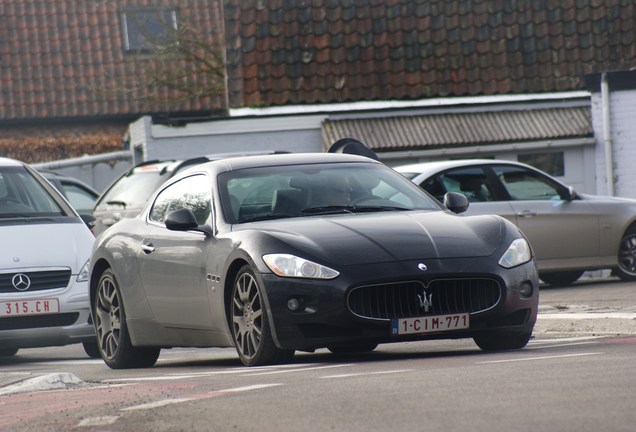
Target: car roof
point(62, 177)
point(436, 166)
point(236, 163)
point(10, 162)
point(170, 165)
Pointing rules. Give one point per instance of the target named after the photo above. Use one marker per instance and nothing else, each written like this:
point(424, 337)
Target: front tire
point(250, 326)
point(113, 339)
point(500, 341)
point(626, 269)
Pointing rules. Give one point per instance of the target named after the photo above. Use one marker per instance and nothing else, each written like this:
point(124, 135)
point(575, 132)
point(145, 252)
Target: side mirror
point(456, 202)
point(184, 220)
point(569, 194)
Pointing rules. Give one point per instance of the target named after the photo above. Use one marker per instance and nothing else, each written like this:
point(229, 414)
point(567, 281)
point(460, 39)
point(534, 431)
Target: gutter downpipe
point(607, 135)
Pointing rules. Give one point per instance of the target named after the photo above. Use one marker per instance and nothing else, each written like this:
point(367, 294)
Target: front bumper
point(73, 323)
point(324, 317)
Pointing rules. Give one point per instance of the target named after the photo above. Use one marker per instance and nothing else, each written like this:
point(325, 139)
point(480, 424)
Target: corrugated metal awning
point(424, 132)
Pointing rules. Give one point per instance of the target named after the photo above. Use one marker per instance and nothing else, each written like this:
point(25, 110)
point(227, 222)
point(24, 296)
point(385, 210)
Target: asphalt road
point(575, 379)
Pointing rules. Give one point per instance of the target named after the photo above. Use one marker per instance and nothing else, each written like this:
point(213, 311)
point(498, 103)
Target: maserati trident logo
point(425, 301)
point(21, 282)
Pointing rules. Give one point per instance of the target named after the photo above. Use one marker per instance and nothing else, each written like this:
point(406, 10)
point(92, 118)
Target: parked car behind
point(126, 196)
point(81, 196)
point(569, 232)
point(44, 263)
point(272, 254)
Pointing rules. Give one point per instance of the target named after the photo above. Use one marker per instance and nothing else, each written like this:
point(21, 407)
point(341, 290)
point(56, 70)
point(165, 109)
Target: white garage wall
point(622, 106)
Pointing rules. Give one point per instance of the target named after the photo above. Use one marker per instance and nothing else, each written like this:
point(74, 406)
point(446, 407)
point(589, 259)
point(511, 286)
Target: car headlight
point(517, 253)
point(292, 266)
point(83, 274)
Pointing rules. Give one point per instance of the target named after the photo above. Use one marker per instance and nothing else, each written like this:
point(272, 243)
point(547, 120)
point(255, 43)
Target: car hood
point(45, 245)
point(606, 199)
point(375, 238)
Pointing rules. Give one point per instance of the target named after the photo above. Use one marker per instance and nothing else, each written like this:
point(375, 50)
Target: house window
point(146, 28)
point(552, 163)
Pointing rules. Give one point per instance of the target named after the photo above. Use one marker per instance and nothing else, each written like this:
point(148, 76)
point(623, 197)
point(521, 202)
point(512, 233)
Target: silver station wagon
point(569, 232)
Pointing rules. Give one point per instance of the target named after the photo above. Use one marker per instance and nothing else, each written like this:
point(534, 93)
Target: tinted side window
point(524, 184)
point(470, 181)
point(191, 193)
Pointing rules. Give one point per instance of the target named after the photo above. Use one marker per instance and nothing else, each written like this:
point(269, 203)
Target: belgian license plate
point(29, 307)
point(429, 324)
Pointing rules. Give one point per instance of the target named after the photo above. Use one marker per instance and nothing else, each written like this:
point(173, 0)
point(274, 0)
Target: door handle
point(526, 214)
point(147, 248)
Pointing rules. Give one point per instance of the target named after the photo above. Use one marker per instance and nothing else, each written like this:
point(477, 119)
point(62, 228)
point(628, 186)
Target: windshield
point(21, 195)
point(133, 190)
point(305, 190)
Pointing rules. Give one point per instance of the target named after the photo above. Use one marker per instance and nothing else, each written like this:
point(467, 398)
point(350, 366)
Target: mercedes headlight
point(286, 265)
point(83, 274)
point(517, 253)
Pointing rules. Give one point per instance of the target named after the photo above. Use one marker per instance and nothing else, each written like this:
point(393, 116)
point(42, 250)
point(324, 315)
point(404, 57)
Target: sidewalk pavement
point(585, 321)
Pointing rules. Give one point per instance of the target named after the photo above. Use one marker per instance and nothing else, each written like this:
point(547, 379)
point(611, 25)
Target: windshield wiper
point(349, 209)
point(267, 217)
point(330, 209)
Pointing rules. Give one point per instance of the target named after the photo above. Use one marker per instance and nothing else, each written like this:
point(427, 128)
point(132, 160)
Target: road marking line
point(97, 421)
point(166, 402)
point(248, 371)
point(534, 347)
point(149, 378)
point(156, 404)
point(539, 358)
point(299, 370)
point(367, 373)
point(248, 388)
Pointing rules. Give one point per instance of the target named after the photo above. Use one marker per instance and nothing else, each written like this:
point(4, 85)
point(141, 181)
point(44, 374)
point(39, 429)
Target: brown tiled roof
point(456, 130)
point(57, 57)
point(317, 51)
point(56, 54)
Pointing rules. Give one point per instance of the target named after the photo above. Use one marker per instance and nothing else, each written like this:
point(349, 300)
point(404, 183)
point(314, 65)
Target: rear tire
point(502, 341)
point(250, 325)
point(113, 339)
point(561, 279)
point(626, 269)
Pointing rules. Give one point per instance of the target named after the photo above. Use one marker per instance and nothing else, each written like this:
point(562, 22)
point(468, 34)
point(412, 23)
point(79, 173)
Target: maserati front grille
point(414, 298)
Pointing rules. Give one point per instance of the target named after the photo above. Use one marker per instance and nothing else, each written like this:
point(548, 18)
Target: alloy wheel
point(108, 317)
point(627, 254)
point(247, 314)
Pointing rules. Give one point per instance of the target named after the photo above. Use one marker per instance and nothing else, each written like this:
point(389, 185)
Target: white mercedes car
point(44, 265)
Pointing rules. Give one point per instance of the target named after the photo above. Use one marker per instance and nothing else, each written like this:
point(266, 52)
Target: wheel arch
point(230, 275)
point(97, 270)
